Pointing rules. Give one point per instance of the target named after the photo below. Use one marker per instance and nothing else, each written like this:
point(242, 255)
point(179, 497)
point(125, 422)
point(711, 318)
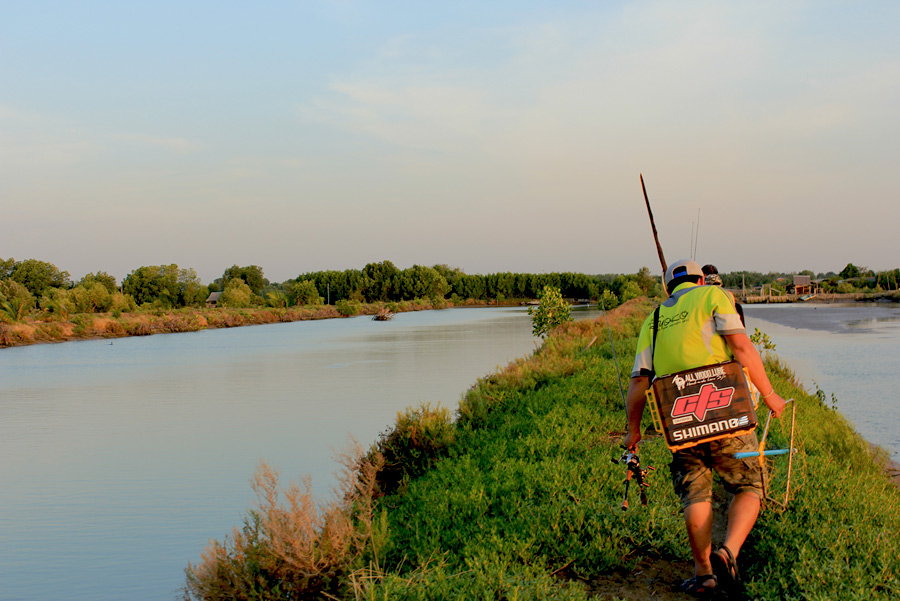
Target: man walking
point(697, 326)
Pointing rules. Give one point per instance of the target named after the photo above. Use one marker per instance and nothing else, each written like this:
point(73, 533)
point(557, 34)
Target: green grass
point(526, 490)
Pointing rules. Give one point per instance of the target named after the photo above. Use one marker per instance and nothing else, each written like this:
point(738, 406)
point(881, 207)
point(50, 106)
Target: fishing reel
point(634, 471)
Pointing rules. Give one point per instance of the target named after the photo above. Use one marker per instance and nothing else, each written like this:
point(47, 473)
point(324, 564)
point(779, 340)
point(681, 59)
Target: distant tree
point(629, 291)
point(850, 271)
point(608, 300)
point(252, 275)
point(190, 290)
point(38, 276)
point(58, 302)
point(276, 298)
point(379, 281)
point(91, 298)
point(305, 293)
point(6, 267)
point(14, 310)
point(16, 301)
point(153, 283)
point(101, 277)
point(451, 274)
point(420, 282)
point(236, 294)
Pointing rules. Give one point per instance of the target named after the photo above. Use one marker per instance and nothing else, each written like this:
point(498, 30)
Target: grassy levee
point(520, 500)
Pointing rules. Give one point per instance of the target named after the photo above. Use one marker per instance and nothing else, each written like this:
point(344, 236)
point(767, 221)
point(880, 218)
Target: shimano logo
point(712, 428)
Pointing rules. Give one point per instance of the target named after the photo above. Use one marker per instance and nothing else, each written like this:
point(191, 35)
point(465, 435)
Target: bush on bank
point(521, 501)
point(62, 326)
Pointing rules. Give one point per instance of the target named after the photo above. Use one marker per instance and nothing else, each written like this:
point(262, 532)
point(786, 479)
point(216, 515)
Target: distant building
point(212, 301)
point(803, 284)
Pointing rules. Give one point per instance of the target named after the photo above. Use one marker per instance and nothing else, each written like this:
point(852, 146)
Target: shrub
point(551, 312)
point(608, 300)
point(295, 549)
point(305, 293)
point(346, 307)
point(83, 323)
point(419, 438)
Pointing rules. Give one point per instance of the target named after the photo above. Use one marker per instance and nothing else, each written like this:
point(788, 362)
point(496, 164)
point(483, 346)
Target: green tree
point(608, 300)
point(550, 313)
point(305, 293)
point(101, 277)
point(237, 294)
point(850, 272)
point(153, 284)
point(252, 275)
point(420, 282)
point(190, 290)
point(379, 281)
point(91, 298)
point(629, 291)
point(38, 276)
point(6, 267)
point(165, 285)
point(16, 301)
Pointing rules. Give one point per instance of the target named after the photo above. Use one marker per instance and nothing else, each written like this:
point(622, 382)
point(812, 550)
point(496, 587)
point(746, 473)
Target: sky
point(490, 136)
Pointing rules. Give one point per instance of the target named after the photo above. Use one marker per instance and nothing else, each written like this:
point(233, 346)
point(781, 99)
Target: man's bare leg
point(698, 520)
point(742, 514)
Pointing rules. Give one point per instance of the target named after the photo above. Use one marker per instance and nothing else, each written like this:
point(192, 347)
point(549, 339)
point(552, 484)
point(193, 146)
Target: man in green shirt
point(698, 325)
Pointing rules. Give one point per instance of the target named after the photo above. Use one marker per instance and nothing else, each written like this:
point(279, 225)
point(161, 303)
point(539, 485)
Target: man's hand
point(631, 440)
point(775, 403)
point(634, 408)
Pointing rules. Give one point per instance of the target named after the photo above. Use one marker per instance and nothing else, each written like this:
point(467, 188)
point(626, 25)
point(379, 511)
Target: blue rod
point(765, 453)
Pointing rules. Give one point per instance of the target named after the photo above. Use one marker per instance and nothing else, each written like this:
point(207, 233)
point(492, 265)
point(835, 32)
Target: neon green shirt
point(691, 324)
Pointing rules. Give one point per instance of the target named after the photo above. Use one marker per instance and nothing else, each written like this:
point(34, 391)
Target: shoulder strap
point(653, 344)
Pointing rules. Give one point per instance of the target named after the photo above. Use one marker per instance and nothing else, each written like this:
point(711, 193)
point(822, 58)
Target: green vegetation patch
point(518, 497)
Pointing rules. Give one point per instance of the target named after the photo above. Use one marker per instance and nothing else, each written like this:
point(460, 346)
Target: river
point(850, 351)
point(121, 459)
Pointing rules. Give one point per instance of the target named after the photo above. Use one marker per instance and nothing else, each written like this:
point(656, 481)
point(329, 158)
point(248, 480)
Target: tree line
point(851, 278)
point(32, 286)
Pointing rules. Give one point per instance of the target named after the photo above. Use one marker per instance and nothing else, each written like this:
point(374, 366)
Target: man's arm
point(744, 351)
point(637, 400)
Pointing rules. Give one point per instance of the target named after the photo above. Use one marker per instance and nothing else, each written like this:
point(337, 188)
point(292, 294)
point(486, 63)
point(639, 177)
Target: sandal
point(726, 569)
point(696, 586)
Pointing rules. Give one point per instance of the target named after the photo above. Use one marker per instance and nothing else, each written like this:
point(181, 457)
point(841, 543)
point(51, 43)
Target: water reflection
point(848, 350)
point(121, 461)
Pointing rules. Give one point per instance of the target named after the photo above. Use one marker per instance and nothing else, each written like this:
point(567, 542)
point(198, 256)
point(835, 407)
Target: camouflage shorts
point(692, 469)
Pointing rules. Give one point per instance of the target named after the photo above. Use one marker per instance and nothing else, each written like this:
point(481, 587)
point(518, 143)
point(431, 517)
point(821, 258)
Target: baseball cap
point(684, 267)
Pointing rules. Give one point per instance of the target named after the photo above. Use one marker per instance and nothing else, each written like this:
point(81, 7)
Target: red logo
point(698, 404)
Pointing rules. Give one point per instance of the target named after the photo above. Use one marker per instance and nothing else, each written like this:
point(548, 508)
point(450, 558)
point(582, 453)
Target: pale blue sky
point(490, 136)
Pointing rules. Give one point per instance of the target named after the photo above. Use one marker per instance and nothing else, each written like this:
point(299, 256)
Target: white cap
point(682, 268)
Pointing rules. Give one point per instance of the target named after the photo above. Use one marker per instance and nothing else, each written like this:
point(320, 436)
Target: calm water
point(118, 462)
point(849, 350)
point(121, 460)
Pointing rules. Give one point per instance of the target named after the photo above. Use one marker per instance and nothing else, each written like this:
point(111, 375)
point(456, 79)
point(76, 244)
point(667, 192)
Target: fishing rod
point(633, 469)
point(659, 251)
point(615, 358)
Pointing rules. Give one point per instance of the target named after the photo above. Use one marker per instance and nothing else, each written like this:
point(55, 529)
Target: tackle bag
point(706, 403)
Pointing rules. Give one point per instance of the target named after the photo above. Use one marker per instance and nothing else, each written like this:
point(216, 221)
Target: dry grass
point(292, 548)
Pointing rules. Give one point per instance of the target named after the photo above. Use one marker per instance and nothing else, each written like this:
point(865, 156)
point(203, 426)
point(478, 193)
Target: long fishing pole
point(615, 358)
point(659, 251)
